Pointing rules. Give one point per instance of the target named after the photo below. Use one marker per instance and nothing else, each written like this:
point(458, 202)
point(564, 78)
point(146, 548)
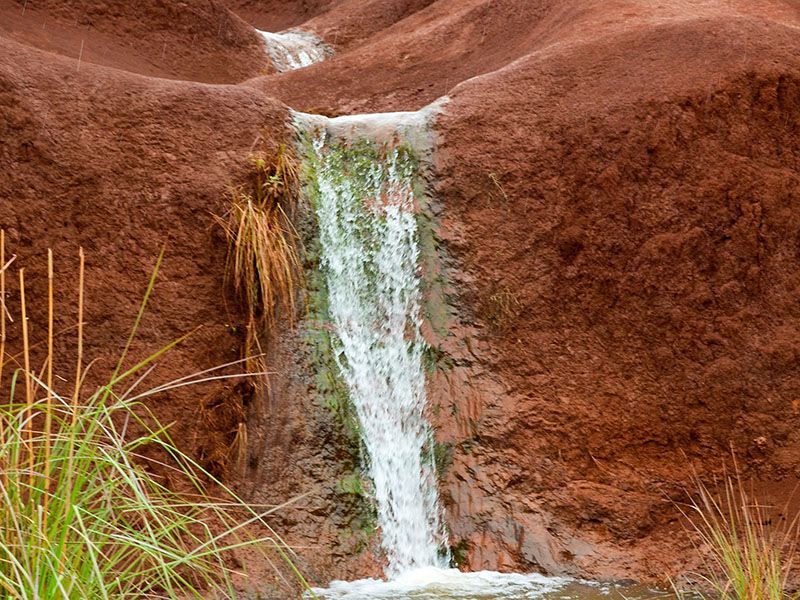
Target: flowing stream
point(294, 49)
point(363, 188)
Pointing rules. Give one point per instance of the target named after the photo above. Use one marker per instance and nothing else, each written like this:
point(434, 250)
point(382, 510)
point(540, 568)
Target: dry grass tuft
point(263, 264)
point(501, 307)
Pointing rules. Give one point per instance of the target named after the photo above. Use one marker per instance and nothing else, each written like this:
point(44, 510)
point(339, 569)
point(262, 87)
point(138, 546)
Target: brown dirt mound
point(198, 40)
point(277, 15)
point(350, 22)
point(415, 60)
point(342, 23)
point(127, 166)
point(622, 209)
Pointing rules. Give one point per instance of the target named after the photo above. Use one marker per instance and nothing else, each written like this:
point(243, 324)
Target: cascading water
point(368, 232)
point(294, 49)
point(361, 184)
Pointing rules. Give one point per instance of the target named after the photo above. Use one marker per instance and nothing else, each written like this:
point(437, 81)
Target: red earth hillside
point(125, 167)
point(616, 184)
point(621, 208)
point(198, 40)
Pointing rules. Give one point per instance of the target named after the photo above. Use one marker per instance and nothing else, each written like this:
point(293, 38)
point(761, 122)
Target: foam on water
point(294, 49)
point(446, 584)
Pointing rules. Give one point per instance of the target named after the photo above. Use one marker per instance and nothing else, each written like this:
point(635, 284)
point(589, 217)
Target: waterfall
point(361, 184)
point(365, 208)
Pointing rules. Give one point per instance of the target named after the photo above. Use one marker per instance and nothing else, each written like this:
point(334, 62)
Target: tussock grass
point(263, 257)
point(750, 548)
point(263, 264)
point(502, 306)
point(82, 515)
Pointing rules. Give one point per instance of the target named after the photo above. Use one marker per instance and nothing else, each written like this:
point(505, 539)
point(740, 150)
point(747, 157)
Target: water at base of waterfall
point(451, 584)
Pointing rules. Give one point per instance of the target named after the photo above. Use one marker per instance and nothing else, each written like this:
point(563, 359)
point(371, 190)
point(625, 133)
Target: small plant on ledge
point(263, 265)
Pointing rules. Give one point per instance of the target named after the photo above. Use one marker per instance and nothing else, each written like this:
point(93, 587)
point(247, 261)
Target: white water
point(368, 232)
point(451, 584)
point(295, 49)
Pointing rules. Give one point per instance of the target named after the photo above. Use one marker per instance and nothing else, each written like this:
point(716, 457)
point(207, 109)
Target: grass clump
point(263, 265)
point(749, 546)
point(83, 516)
point(501, 307)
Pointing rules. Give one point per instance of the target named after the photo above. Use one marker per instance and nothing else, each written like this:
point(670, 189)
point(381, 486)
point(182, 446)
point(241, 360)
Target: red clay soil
point(429, 51)
point(277, 15)
point(127, 165)
point(621, 208)
point(618, 187)
point(342, 23)
point(199, 40)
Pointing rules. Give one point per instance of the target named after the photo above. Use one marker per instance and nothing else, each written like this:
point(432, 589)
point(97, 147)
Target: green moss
point(330, 387)
point(352, 483)
point(459, 553)
point(442, 457)
point(434, 359)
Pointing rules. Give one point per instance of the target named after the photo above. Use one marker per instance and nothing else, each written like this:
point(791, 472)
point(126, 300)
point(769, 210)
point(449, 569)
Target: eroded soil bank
point(614, 212)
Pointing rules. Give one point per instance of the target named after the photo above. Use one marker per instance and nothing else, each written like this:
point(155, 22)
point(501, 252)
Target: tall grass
point(263, 258)
point(82, 515)
point(749, 547)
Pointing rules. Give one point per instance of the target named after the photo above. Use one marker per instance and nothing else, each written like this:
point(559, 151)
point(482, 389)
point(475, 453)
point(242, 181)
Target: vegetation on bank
point(263, 265)
point(749, 548)
point(84, 515)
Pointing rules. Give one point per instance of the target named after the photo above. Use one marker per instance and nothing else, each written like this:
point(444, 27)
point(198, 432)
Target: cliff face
point(620, 208)
point(615, 195)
